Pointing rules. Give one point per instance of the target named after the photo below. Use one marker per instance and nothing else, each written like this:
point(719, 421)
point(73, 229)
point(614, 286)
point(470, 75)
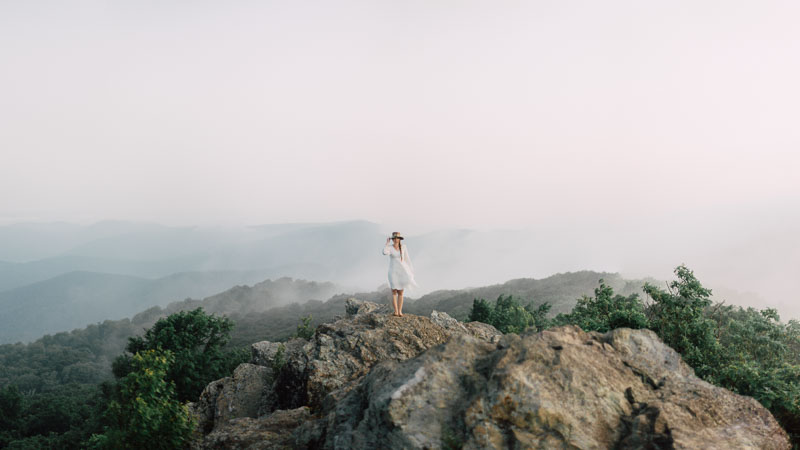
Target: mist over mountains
point(59, 276)
point(76, 299)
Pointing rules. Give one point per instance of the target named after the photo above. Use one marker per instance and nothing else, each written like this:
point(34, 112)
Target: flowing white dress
point(401, 273)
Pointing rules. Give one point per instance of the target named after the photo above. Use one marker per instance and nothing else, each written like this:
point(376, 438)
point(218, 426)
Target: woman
point(401, 272)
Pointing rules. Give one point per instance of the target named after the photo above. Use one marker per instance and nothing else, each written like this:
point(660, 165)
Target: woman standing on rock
point(401, 272)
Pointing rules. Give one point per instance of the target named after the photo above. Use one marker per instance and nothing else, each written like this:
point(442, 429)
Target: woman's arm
point(386, 247)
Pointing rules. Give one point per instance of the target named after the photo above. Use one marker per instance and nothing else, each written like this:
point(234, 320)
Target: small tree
point(539, 315)
point(304, 329)
point(508, 315)
point(143, 411)
point(678, 317)
point(196, 340)
point(481, 311)
point(606, 311)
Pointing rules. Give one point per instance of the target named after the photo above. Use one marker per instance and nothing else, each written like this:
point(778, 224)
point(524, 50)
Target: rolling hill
point(77, 299)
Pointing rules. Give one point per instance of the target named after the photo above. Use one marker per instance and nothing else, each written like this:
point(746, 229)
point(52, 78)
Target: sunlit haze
point(624, 136)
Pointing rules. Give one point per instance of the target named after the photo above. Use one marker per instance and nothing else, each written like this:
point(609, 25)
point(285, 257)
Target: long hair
point(400, 242)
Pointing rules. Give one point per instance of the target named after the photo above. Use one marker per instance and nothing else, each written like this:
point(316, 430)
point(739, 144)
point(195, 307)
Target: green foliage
point(196, 340)
point(678, 317)
point(508, 315)
point(61, 418)
point(231, 359)
point(304, 329)
point(10, 414)
point(279, 361)
point(760, 358)
point(539, 315)
point(745, 350)
point(605, 311)
point(481, 311)
point(451, 439)
point(144, 412)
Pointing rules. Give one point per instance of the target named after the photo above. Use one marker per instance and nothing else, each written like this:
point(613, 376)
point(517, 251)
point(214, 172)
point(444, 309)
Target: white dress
point(401, 273)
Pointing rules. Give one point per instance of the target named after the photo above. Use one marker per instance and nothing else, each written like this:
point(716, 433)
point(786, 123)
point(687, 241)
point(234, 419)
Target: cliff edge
point(372, 380)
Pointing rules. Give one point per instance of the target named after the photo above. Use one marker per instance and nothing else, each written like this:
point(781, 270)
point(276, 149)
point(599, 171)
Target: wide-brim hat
point(396, 235)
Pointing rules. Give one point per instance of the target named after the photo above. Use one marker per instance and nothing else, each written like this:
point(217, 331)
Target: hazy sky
point(416, 114)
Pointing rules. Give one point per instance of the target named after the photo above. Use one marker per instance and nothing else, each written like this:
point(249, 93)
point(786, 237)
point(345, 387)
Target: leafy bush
point(508, 315)
point(760, 359)
point(605, 311)
point(144, 411)
point(679, 318)
point(304, 329)
point(279, 361)
point(747, 351)
point(481, 311)
point(196, 340)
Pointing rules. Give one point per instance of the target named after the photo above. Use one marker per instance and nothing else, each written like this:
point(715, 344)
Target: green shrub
point(143, 411)
point(605, 311)
point(508, 315)
point(481, 311)
point(304, 329)
point(196, 340)
point(678, 316)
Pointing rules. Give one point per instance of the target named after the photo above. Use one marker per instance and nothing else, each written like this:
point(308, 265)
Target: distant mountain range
point(76, 299)
point(58, 276)
point(314, 251)
point(65, 276)
point(268, 310)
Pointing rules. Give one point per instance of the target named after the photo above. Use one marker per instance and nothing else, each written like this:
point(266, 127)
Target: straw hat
point(397, 235)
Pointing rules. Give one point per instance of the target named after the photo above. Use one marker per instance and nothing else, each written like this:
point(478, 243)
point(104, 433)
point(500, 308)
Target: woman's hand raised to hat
point(388, 239)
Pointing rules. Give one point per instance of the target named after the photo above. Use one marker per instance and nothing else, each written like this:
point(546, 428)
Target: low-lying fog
point(746, 261)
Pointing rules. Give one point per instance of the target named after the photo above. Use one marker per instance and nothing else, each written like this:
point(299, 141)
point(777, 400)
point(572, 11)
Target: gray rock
point(561, 388)
point(263, 353)
point(345, 350)
point(242, 395)
point(354, 307)
point(445, 321)
point(264, 433)
point(483, 331)
point(373, 380)
point(204, 409)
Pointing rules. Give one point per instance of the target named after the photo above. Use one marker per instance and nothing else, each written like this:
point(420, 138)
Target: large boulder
point(373, 380)
point(264, 353)
point(204, 409)
point(354, 307)
point(241, 395)
point(343, 351)
point(318, 371)
point(561, 388)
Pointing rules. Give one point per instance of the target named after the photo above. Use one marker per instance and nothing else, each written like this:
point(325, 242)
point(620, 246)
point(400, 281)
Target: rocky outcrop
point(265, 433)
point(343, 351)
point(372, 380)
point(561, 388)
point(323, 369)
point(240, 395)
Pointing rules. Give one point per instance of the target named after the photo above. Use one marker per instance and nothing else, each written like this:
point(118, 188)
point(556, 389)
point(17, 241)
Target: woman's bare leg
point(400, 302)
point(394, 302)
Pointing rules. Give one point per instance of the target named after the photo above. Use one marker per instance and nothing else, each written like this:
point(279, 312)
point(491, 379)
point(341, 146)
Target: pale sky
point(415, 114)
